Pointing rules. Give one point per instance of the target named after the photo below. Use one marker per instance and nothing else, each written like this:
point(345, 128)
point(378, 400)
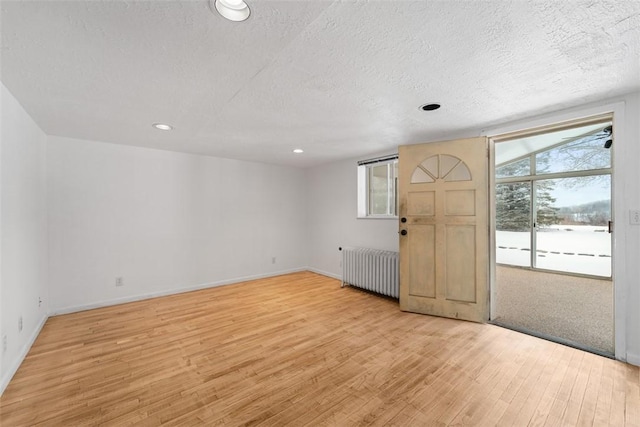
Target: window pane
point(379, 189)
point(583, 154)
point(513, 224)
point(519, 168)
point(572, 224)
point(394, 195)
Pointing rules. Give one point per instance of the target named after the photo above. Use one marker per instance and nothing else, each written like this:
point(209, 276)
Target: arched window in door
point(441, 166)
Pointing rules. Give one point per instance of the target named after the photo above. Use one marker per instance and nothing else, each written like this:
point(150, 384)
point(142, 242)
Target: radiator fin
point(371, 269)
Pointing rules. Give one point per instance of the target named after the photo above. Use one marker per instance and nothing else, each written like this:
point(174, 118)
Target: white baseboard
point(11, 371)
point(633, 359)
point(324, 273)
point(139, 297)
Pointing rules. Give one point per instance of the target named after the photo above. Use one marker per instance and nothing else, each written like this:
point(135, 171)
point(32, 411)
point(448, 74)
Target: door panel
point(422, 243)
point(444, 254)
point(422, 203)
point(460, 253)
point(460, 203)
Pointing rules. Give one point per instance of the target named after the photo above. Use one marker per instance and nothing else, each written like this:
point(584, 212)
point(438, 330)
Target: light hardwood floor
point(300, 350)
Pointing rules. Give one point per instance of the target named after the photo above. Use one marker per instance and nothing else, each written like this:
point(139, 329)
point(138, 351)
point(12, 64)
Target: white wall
point(332, 200)
point(3, 102)
point(332, 223)
point(23, 232)
point(165, 222)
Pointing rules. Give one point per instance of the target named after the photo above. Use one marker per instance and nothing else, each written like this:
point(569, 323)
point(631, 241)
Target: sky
point(598, 189)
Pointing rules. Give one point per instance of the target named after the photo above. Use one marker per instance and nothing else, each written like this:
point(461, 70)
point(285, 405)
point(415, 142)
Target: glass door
point(572, 218)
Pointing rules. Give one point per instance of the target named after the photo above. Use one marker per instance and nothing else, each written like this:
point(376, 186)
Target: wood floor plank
point(632, 411)
point(561, 400)
point(300, 350)
point(576, 397)
point(524, 383)
point(593, 389)
point(605, 393)
point(551, 389)
point(507, 367)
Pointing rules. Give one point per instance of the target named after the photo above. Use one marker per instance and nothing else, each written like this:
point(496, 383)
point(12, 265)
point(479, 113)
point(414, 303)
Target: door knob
point(403, 219)
point(403, 232)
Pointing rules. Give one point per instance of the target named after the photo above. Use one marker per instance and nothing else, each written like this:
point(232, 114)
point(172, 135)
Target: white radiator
point(371, 269)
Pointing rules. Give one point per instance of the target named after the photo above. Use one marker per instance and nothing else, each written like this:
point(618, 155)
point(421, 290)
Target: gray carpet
point(571, 308)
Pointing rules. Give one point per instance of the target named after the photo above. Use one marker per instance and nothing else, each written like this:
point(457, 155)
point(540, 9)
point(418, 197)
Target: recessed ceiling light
point(162, 126)
point(233, 10)
point(429, 107)
point(298, 151)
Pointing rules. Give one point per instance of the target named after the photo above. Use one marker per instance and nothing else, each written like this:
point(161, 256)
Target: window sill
point(377, 217)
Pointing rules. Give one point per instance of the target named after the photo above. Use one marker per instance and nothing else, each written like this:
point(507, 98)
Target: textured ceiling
point(336, 78)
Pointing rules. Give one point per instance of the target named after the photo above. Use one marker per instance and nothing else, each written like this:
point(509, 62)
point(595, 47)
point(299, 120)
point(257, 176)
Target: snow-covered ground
point(572, 248)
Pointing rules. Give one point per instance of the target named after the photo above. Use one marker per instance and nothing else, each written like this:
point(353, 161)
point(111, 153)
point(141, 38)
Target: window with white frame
point(378, 187)
point(553, 199)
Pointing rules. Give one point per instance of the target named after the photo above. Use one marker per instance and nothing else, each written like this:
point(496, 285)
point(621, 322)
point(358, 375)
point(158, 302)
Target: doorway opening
point(553, 233)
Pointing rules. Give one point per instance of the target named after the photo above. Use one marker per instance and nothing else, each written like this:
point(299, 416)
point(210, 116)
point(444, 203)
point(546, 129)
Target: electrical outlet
point(634, 217)
point(273, 260)
point(20, 324)
point(119, 281)
point(4, 343)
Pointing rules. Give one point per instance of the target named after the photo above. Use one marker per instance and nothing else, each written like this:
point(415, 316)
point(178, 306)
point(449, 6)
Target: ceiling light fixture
point(233, 10)
point(162, 126)
point(298, 151)
point(429, 107)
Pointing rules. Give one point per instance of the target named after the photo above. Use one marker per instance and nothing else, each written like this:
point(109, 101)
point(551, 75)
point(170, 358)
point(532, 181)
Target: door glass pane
point(513, 224)
point(572, 217)
point(585, 153)
point(459, 173)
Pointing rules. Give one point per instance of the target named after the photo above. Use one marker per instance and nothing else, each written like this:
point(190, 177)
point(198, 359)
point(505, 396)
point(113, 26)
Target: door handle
point(403, 219)
point(403, 232)
point(610, 227)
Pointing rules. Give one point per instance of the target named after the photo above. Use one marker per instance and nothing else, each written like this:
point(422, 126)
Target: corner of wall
point(24, 234)
point(7, 374)
point(324, 273)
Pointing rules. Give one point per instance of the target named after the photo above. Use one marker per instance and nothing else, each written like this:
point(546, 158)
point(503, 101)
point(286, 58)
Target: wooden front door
point(444, 229)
